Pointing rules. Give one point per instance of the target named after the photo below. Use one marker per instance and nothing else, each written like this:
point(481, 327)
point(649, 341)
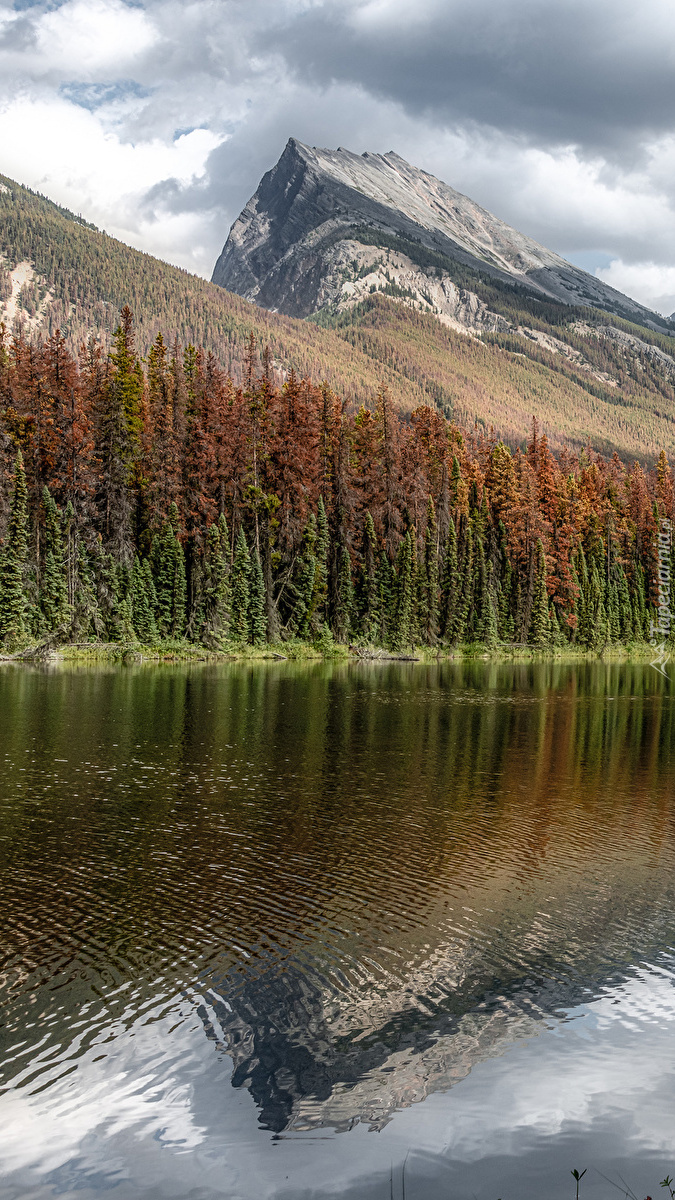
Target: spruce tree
point(368, 599)
point(386, 598)
point(556, 635)
point(640, 615)
point(598, 615)
point(87, 618)
point(302, 591)
point(489, 632)
point(169, 578)
point(455, 481)
point(257, 621)
point(450, 584)
point(13, 561)
point(142, 613)
point(163, 569)
point(239, 590)
point(613, 613)
point(123, 628)
point(418, 593)
point(214, 606)
point(54, 582)
point(625, 607)
point(585, 631)
point(479, 584)
point(400, 638)
point(431, 566)
point(225, 546)
point(344, 600)
point(150, 592)
point(121, 422)
point(112, 583)
point(460, 625)
point(321, 551)
point(179, 592)
point(122, 616)
point(539, 632)
point(505, 601)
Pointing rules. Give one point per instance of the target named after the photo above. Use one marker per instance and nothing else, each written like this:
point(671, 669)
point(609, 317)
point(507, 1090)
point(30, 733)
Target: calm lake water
point(368, 931)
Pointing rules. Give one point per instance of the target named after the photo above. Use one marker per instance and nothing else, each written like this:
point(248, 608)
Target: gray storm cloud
point(162, 117)
point(598, 74)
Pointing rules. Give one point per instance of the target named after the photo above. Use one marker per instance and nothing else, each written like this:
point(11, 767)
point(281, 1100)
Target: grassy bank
point(294, 651)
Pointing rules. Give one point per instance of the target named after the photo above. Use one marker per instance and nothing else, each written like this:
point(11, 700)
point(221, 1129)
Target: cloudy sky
point(156, 119)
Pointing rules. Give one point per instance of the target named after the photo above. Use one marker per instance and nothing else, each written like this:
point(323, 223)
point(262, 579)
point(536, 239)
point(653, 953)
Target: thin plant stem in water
point(578, 1178)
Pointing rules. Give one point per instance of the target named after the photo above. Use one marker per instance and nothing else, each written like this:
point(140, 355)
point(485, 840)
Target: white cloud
point(66, 152)
point(93, 92)
point(89, 37)
point(651, 283)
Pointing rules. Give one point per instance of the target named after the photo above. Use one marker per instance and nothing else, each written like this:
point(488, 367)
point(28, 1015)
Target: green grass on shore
point(184, 651)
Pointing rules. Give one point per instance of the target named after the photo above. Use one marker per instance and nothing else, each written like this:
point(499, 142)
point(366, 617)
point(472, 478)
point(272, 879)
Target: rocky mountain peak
point(281, 250)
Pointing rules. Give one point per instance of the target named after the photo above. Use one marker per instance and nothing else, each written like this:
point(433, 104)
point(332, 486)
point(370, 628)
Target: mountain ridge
point(276, 249)
point(498, 356)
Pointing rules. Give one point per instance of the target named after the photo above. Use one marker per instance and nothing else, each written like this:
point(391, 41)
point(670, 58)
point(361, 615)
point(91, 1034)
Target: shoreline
point(128, 653)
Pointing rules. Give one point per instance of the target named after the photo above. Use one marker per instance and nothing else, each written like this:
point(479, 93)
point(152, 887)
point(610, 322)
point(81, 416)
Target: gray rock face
point(280, 250)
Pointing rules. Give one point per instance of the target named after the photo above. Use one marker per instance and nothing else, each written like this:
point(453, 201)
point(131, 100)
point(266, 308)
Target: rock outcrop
point(292, 248)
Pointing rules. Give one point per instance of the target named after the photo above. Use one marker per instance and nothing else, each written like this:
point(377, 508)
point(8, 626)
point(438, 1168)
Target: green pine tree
point(257, 621)
point(54, 582)
point(239, 590)
point(431, 581)
point(584, 607)
point(418, 592)
point(162, 568)
point(301, 590)
point(88, 622)
point(213, 617)
point(480, 600)
point(598, 614)
point(539, 632)
point(613, 613)
point(400, 638)
point(142, 606)
point(112, 583)
point(169, 578)
point(640, 614)
point(368, 597)
point(505, 603)
point(450, 584)
point(321, 552)
point(150, 588)
point(455, 480)
point(460, 627)
point(344, 600)
point(489, 632)
point(386, 599)
point(179, 599)
point(625, 607)
point(13, 626)
point(557, 636)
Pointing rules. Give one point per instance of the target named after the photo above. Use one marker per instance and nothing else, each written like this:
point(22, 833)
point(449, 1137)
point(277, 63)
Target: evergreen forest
point(159, 501)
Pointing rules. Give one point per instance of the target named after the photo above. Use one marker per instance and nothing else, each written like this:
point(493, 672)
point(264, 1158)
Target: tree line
point(159, 500)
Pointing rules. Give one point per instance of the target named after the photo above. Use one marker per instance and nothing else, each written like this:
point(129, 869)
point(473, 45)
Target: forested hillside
point(146, 502)
point(83, 278)
point(586, 376)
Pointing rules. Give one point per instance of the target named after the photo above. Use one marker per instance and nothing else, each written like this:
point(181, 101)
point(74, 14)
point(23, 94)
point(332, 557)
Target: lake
point(378, 931)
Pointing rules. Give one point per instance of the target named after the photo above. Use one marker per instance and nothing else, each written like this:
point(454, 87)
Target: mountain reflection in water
point(368, 879)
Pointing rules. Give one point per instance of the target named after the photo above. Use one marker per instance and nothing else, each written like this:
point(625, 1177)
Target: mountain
point(60, 272)
point(495, 355)
point(292, 247)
